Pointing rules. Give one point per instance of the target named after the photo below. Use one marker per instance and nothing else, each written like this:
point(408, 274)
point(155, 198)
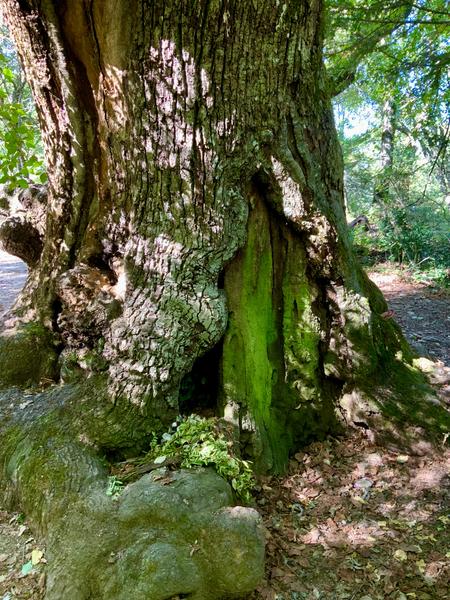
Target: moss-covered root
point(399, 406)
point(168, 534)
point(384, 390)
point(27, 356)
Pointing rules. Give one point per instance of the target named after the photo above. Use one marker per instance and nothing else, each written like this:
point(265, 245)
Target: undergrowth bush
point(415, 237)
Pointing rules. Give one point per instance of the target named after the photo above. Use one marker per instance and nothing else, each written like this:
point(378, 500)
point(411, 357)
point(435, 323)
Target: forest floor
point(352, 519)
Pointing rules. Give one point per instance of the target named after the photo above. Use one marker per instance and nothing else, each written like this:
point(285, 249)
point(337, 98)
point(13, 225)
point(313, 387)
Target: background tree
point(194, 227)
point(21, 153)
point(405, 68)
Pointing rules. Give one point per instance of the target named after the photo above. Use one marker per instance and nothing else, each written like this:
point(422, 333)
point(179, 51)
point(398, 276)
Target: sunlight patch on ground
point(354, 519)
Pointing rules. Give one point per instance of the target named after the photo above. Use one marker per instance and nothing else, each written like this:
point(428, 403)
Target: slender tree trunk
point(383, 183)
point(431, 144)
point(434, 144)
point(195, 228)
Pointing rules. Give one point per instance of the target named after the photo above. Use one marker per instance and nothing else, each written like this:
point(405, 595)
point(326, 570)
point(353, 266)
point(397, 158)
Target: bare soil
point(351, 520)
point(423, 313)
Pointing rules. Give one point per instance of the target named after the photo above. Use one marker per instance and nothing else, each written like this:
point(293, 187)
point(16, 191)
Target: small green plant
point(196, 441)
point(115, 486)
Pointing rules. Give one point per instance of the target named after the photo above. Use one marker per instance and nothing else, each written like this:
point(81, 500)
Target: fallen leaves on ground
point(352, 521)
point(22, 561)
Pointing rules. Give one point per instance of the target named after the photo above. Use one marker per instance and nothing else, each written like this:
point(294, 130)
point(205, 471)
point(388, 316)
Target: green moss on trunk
point(271, 364)
point(251, 354)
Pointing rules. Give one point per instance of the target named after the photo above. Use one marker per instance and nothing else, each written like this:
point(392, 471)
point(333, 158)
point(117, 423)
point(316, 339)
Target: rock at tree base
point(169, 534)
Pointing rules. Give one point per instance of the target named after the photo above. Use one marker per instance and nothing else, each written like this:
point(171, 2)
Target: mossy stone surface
point(27, 356)
point(168, 534)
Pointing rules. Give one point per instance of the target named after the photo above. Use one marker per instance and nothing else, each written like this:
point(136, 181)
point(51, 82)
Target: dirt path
point(351, 520)
point(13, 273)
point(424, 315)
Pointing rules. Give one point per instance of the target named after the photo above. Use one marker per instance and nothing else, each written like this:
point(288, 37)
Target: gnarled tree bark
point(195, 225)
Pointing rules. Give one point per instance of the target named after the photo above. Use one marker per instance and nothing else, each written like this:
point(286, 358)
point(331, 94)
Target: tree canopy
point(389, 66)
point(21, 152)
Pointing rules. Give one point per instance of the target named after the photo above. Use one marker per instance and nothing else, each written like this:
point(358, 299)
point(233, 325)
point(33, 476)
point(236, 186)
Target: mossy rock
point(169, 535)
point(27, 356)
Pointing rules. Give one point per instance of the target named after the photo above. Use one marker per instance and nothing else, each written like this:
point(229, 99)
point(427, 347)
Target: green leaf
point(27, 568)
point(159, 460)
point(8, 74)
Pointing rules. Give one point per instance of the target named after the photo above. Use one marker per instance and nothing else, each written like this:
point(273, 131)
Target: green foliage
point(21, 152)
point(416, 237)
point(405, 37)
point(115, 487)
point(355, 29)
point(413, 227)
point(389, 61)
point(205, 442)
point(435, 275)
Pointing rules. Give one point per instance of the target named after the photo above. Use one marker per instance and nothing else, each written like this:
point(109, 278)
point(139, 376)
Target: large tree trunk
point(195, 229)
